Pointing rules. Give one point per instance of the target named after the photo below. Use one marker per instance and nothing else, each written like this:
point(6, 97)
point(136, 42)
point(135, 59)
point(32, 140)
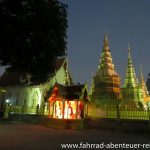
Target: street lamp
point(7, 101)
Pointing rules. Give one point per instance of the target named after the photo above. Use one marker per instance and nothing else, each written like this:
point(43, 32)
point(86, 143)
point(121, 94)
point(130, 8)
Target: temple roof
point(15, 78)
point(63, 61)
point(59, 62)
point(70, 92)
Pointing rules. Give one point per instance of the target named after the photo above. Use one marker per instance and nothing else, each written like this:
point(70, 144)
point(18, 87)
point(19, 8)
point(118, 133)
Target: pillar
point(63, 112)
point(77, 110)
point(6, 112)
point(49, 109)
point(86, 110)
point(54, 110)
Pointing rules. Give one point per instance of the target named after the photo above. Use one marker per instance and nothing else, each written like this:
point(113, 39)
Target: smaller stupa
point(131, 91)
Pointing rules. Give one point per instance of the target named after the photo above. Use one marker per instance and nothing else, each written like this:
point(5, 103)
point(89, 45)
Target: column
point(53, 103)
point(76, 109)
point(49, 111)
point(86, 110)
point(63, 112)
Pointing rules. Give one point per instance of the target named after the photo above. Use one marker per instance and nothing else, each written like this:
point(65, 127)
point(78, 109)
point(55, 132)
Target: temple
point(26, 97)
point(68, 102)
point(105, 88)
point(60, 99)
point(131, 91)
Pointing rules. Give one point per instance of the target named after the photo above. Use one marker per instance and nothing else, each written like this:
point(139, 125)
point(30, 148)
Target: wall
point(27, 99)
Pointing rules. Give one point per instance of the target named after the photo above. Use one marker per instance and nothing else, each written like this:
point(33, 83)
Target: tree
point(32, 35)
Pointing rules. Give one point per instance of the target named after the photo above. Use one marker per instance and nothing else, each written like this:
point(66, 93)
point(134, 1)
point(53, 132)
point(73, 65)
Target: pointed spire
point(143, 85)
point(129, 51)
point(141, 71)
point(131, 80)
point(129, 55)
point(105, 37)
point(106, 65)
point(106, 43)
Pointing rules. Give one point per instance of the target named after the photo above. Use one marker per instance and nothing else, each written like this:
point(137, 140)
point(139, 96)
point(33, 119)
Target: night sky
point(125, 21)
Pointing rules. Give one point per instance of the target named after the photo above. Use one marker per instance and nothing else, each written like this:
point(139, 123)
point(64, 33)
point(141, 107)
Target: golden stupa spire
point(106, 63)
point(106, 43)
point(105, 37)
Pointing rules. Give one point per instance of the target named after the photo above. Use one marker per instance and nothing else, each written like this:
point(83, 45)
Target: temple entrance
point(64, 103)
point(66, 110)
point(70, 110)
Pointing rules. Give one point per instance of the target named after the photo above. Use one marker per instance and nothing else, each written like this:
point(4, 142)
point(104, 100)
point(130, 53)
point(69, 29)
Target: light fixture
point(7, 100)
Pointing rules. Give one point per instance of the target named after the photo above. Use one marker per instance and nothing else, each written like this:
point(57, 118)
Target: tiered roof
point(70, 92)
point(106, 66)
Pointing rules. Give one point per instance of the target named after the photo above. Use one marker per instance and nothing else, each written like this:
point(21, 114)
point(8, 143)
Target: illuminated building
point(26, 97)
point(131, 90)
point(105, 88)
point(60, 98)
point(68, 101)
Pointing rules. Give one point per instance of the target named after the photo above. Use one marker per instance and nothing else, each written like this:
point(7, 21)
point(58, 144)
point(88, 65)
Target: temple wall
point(27, 98)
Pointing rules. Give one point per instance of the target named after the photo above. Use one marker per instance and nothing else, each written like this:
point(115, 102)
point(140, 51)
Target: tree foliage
point(32, 35)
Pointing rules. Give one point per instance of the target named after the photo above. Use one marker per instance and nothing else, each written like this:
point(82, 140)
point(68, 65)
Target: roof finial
point(141, 70)
point(129, 51)
point(106, 44)
point(105, 36)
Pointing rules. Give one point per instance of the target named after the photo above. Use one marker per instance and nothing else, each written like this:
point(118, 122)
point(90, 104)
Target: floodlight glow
point(7, 100)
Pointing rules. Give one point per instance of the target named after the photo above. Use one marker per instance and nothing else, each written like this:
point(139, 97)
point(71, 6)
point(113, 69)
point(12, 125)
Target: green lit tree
point(32, 35)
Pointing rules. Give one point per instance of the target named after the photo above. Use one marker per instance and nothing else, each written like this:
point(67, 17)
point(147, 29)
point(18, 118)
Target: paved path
point(21, 136)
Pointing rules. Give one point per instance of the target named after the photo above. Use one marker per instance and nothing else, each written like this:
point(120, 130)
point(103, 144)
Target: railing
point(118, 113)
point(23, 110)
point(93, 111)
point(122, 113)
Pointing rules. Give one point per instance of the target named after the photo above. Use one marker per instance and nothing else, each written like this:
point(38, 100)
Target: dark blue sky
point(126, 21)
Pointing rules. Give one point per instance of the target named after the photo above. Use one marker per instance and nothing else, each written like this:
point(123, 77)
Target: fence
point(118, 113)
point(94, 111)
point(123, 113)
point(23, 110)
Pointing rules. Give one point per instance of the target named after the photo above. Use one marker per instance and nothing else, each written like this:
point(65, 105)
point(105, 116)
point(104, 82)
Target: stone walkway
point(22, 136)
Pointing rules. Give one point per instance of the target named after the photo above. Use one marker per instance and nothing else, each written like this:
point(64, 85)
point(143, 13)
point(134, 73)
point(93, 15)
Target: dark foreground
point(22, 136)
